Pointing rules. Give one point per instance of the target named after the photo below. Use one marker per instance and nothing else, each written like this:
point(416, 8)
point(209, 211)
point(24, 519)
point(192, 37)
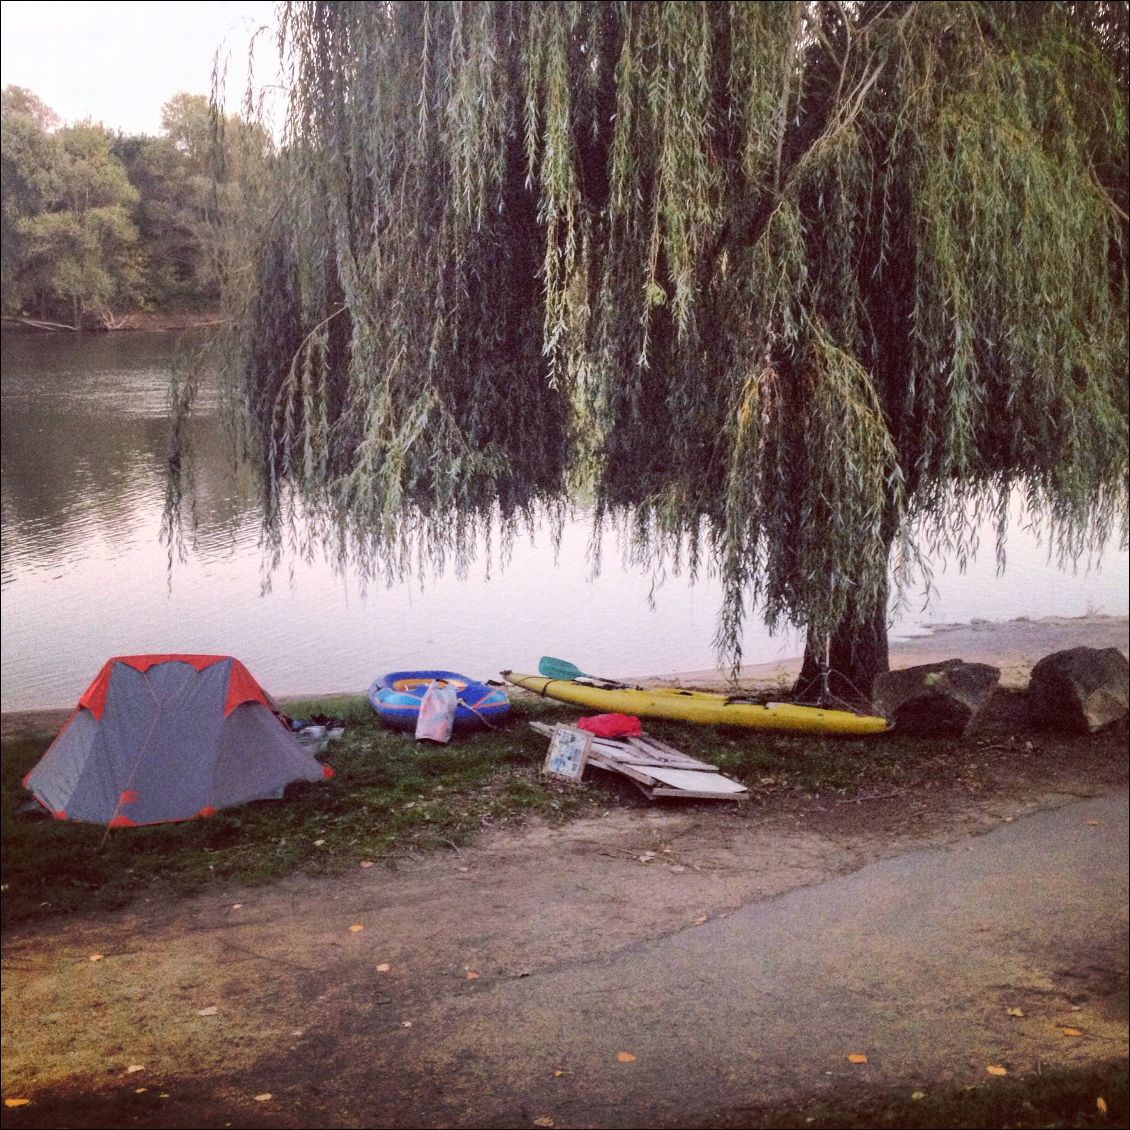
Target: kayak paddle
point(562, 669)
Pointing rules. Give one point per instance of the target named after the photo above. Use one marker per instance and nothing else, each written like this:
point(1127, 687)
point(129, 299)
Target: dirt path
point(180, 1013)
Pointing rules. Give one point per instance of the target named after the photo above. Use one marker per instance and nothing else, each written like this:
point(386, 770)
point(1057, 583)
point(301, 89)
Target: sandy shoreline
point(1014, 646)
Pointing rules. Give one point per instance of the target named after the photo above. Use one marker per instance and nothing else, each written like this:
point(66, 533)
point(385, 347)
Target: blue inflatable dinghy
point(396, 697)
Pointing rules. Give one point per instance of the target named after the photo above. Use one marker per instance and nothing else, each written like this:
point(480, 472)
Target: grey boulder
point(1081, 690)
point(935, 698)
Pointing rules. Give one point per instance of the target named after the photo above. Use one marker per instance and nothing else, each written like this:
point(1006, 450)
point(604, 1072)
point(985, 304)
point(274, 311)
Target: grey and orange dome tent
point(159, 738)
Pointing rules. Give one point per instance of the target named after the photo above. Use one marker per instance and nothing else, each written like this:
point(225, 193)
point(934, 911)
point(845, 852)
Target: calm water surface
point(84, 573)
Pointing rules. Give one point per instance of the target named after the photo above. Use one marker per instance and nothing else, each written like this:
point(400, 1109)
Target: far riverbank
point(139, 321)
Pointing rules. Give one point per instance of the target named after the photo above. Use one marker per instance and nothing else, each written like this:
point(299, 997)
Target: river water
point(85, 575)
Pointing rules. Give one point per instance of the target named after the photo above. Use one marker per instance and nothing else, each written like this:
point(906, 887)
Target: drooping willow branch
point(783, 289)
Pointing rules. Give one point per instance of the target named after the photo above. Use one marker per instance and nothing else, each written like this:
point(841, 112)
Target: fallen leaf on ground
point(625, 1057)
point(211, 1010)
point(366, 863)
point(264, 1097)
point(356, 929)
point(319, 843)
point(918, 1096)
point(384, 967)
point(1016, 1012)
point(95, 957)
point(543, 1120)
point(857, 1057)
point(1100, 1103)
point(1071, 1032)
point(559, 1072)
point(996, 1069)
point(699, 920)
point(140, 1090)
point(472, 975)
point(134, 1068)
point(1094, 823)
point(17, 1102)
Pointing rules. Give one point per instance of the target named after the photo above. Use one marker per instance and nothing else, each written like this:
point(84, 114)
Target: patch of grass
point(352, 709)
point(814, 765)
point(1052, 1099)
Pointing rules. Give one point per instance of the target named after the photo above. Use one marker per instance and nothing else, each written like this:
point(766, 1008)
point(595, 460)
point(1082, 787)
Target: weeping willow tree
point(798, 292)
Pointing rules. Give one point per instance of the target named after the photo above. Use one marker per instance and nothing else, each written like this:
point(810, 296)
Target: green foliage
point(92, 222)
point(776, 287)
point(67, 201)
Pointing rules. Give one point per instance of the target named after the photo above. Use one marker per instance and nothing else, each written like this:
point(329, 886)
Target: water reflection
point(84, 573)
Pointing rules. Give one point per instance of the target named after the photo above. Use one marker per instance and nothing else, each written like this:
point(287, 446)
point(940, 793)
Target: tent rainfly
point(160, 738)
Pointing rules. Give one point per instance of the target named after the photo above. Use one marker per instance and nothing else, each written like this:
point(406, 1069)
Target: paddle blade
point(558, 668)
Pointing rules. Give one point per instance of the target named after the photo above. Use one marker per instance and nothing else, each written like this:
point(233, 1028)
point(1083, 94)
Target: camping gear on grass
point(436, 719)
point(397, 696)
point(701, 706)
point(655, 768)
point(159, 738)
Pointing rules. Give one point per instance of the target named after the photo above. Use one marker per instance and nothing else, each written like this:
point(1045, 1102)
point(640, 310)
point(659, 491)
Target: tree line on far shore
point(96, 223)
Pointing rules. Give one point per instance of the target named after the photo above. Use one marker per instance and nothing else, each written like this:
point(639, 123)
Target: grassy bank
point(391, 797)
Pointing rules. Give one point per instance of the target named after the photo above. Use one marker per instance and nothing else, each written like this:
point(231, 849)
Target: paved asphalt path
point(913, 961)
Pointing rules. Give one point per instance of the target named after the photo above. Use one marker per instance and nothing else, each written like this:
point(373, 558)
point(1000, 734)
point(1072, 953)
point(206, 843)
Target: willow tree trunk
point(844, 666)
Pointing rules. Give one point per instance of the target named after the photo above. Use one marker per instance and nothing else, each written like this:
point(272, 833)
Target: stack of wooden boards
point(657, 769)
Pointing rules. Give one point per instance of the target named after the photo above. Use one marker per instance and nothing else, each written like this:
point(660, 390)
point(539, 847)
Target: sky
point(118, 63)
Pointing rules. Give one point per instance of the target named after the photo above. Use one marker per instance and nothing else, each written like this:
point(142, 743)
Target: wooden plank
point(602, 755)
point(619, 751)
point(632, 757)
point(713, 783)
point(670, 749)
point(659, 771)
point(665, 755)
point(639, 752)
point(692, 794)
point(629, 771)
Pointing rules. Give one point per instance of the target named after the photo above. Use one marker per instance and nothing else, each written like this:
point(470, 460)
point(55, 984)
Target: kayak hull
point(396, 697)
point(702, 707)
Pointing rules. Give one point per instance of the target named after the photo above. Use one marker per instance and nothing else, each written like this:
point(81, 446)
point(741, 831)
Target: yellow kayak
point(701, 706)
